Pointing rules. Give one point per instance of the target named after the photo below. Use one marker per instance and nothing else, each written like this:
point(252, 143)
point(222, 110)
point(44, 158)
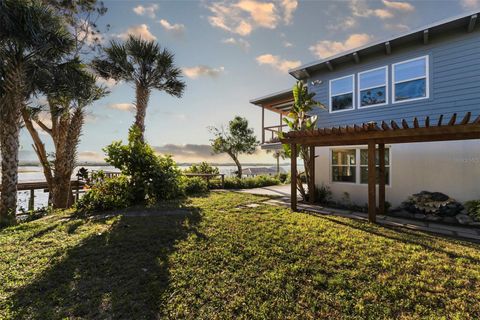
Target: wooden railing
point(270, 134)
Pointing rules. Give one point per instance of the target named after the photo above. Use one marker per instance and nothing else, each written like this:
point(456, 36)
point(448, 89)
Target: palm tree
point(31, 38)
point(144, 64)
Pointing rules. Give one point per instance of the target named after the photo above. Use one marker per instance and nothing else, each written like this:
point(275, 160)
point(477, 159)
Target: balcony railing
point(270, 134)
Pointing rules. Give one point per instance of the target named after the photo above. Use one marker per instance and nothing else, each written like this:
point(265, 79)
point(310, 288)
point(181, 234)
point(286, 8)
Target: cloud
point(148, 11)
point(287, 44)
point(176, 29)
point(244, 16)
point(91, 156)
point(289, 7)
point(277, 62)
point(343, 24)
point(325, 48)
point(470, 4)
point(383, 13)
point(109, 83)
point(202, 70)
point(360, 8)
point(397, 27)
point(242, 43)
point(141, 31)
point(398, 5)
point(122, 106)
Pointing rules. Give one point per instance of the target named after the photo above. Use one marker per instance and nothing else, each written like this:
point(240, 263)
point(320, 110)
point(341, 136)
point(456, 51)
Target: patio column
point(293, 178)
point(311, 183)
point(381, 178)
point(263, 125)
point(372, 182)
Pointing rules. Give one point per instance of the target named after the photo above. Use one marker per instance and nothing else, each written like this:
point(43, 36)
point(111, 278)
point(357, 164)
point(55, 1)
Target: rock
point(432, 203)
point(464, 219)
point(432, 217)
point(419, 216)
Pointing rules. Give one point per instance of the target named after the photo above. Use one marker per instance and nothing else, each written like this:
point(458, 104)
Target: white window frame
point(360, 88)
point(352, 92)
point(426, 77)
point(358, 165)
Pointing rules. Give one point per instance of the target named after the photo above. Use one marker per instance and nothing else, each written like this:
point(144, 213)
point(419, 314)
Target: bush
point(323, 194)
point(246, 183)
point(108, 194)
point(195, 185)
point(473, 209)
point(152, 178)
point(203, 167)
point(284, 177)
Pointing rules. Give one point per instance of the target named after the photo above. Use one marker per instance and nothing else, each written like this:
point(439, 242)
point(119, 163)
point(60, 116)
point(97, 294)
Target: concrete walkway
point(282, 194)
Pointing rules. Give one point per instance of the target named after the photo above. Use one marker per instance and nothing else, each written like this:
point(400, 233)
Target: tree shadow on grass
point(119, 274)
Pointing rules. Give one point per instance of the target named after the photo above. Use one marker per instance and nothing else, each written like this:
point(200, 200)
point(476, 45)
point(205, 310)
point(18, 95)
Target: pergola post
point(372, 182)
point(311, 183)
point(263, 125)
point(381, 178)
point(293, 178)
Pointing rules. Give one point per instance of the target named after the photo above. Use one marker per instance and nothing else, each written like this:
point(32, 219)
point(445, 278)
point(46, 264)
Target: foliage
point(299, 119)
point(195, 185)
point(108, 194)
point(266, 262)
point(246, 183)
point(238, 139)
point(323, 194)
point(473, 209)
point(152, 177)
point(203, 167)
point(284, 177)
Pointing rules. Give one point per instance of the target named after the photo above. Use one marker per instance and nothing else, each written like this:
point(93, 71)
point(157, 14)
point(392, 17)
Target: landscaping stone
point(419, 216)
point(432, 203)
point(464, 219)
point(252, 205)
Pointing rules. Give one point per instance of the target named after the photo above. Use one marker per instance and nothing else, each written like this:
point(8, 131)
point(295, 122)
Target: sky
point(231, 52)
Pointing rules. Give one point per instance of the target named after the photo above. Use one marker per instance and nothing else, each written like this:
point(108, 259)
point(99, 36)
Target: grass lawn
point(216, 261)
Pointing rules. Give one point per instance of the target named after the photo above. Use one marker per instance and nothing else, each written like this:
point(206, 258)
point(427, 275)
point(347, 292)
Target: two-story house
point(429, 72)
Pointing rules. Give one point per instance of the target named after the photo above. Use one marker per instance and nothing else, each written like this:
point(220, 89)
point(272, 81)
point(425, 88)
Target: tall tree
point(238, 139)
point(69, 91)
point(300, 119)
point(32, 37)
point(144, 64)
point(68, 88)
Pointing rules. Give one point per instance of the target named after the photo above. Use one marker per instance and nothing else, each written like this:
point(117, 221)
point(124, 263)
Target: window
point(348, 164)
point(372, 87)
point(344, 165)
point(410, 80)
point(341, 94)
point(364, 166)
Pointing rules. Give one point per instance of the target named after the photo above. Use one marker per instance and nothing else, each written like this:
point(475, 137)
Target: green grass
point(223, 262)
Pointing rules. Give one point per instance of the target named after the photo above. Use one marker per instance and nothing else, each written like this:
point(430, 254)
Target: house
point(417, 77)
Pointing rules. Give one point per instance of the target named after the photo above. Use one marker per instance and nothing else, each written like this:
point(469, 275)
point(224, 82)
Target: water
point(35, 173)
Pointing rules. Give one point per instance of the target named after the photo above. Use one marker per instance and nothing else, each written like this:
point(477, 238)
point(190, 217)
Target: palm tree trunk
point(11, 105)
point(142, 97)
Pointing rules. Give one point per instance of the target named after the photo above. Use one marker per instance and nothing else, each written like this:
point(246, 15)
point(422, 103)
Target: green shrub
point(203, 167)
point(473, 209)
point(323, 195)
point(152, 178)
point(284, 177)
point(108, 194)
point(245, 183)
point(195, 185)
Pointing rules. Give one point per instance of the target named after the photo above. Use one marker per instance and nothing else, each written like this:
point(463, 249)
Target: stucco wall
point(449, 167)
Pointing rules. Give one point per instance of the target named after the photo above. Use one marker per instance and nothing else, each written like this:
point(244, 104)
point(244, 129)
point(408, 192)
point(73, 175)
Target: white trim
point(330, 94)
point(426, 77)
point(360, 89)
point(358, 165)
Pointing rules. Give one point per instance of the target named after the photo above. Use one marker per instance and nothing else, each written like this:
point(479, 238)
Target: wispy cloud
point(142, 31)
point(148, 11)
point(91, 156)
point(277, 62)
point(398, 27)
point(243, 16)
point(202, 70)
point(122, 106)
point(470, 4)
point(109, 83)
point(242, 43)
point(326, 48)
point(176, 29)
point(399, 5)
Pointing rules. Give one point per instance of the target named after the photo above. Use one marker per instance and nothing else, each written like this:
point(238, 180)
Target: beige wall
point(449, 167)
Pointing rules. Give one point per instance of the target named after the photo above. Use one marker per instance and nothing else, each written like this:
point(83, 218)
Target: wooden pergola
point(374, 136)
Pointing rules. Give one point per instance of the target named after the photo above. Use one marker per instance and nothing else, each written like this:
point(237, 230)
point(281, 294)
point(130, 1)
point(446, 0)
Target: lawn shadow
point(422, 239)
point(120, 274)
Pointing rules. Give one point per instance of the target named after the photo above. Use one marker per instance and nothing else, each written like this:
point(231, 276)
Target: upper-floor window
point(341, 94)
point(372, 87)
point(410, 80)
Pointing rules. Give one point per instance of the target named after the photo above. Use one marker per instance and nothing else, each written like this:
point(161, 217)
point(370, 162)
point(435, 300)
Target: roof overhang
point(468, 22)
point(280, 102)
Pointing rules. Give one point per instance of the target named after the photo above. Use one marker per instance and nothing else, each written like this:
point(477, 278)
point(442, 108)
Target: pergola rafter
point(374, 135)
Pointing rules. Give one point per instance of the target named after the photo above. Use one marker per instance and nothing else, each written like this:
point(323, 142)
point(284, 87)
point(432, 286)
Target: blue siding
point(454, 70)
